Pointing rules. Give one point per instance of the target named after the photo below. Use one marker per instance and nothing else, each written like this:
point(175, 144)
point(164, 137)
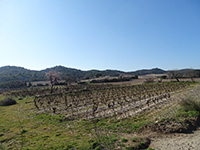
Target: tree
point(68, 81)
point(98, 75)
point(197, 73)
point(192, 74)
point(53, 77)
point(174, 74)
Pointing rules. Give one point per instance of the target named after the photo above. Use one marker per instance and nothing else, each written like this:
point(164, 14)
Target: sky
point(124, 35)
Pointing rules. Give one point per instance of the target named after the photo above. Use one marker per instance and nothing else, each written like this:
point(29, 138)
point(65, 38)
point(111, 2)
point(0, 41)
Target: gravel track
point(190, 141)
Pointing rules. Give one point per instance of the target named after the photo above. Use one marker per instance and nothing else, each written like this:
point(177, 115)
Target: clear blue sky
point(100, 34)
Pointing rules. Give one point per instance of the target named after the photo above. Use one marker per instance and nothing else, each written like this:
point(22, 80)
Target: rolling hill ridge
point(13, 73)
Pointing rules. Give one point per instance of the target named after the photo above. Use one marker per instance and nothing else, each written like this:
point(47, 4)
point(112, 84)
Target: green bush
point(7, 102)
point(130, 148)
point(23, 131)
point(1, 147)
point(187, 114)
point(134, 139)
point(124, 140)
point(136, 126)
point(95, 144)
point(190, 104)
point(141, 145)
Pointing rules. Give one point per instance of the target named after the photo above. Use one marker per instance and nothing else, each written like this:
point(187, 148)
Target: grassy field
point(22, 126)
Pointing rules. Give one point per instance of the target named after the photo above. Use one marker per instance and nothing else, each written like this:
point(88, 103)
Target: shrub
point(134, 139)
point(190, 104)
point(1, 147)
point(186, 114)
point(141, 145)
point(7, 102)
point(130, 148)
point(137, 125)
point(95, 144)
point(149, 80)
point(23, 131)
point(192, 101)
point(124, 140)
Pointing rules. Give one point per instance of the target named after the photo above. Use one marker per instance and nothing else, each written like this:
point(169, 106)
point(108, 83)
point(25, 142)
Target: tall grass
point(1, 147)
point(191, 103)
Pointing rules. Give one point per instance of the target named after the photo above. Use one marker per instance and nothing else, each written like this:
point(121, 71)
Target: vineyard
point(89, 116)
point(107, 101)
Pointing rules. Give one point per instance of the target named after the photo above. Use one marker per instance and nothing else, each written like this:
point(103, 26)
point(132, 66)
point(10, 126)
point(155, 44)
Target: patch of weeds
point(124, 140)
point(58, 134)
point(77, 137)
point(130, 148)
point(149, 149)
point(191, 103)
point(191, 113)
point(101, 123)
point(69, 147)
point(94, 145)
point(2, 147)
point(122, 145)
point(115, 131)
point(23, 131)
point(128, 131)
point(141, 144)
point(99, 147)
point(51, 118)
point(119, 124)
point(103, 141)
point(109, 127)
point(6, 139)
point(115, 139)
point(107, 141)
point(112, 127)
point(138, 125)
point(45, 137)
point(84, 119)
point(134, 139)
point(176, 119)
point(163, 119)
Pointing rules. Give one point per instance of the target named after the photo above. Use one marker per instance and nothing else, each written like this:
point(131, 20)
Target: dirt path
point(189, 141)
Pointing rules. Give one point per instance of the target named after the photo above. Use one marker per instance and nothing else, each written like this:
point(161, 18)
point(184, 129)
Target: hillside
point(13, 73)
point(148, 71)
point(12, 76)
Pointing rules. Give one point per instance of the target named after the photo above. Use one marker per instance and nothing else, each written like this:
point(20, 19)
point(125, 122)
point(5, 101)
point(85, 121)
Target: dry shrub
point(190, 105)
point(149, 80)
point(192, 101)
point(7, 102)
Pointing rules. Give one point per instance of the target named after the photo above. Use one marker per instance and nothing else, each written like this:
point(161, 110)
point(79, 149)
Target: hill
point(13, 73)
point(13, 76)
point(148, 71)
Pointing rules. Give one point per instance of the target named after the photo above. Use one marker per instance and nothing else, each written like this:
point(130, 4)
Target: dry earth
point(176, 141)
point(183, 141)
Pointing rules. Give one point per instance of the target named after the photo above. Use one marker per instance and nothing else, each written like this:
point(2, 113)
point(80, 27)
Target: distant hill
point(77, 74)
point(13, 73)
point(148, 71)
point(8, 74)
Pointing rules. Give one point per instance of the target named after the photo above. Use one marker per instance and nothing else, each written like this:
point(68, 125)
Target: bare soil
point(177, 141)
